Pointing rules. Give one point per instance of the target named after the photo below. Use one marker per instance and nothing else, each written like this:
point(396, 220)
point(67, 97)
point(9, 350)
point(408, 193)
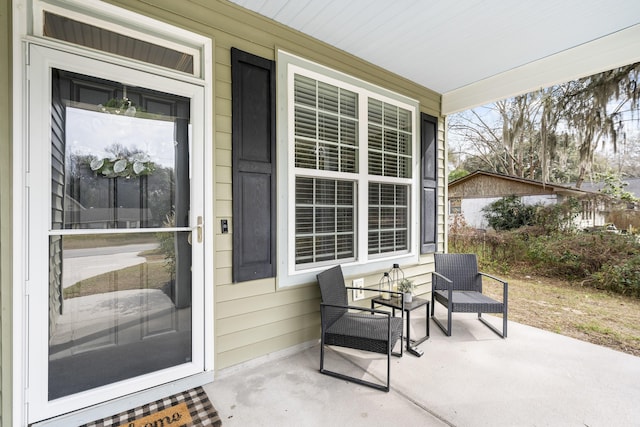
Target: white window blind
point(388, 218)
point(353, 173)
point(326, 126)
point(324, 220)
point(389, 140)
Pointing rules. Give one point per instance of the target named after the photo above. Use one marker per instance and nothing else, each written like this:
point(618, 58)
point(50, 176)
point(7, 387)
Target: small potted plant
point(406, 286)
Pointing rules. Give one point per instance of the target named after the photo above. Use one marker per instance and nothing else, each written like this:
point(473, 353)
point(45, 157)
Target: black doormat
point(191, 408)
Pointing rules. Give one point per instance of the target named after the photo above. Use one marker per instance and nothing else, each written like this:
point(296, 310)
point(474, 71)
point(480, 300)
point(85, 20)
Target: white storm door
point(115, 246)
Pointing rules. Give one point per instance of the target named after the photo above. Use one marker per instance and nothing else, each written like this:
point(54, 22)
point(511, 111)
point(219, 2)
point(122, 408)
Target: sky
point(91, 132)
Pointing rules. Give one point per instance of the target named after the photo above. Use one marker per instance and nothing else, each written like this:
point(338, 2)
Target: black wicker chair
point(457, 284)
point(355, 327)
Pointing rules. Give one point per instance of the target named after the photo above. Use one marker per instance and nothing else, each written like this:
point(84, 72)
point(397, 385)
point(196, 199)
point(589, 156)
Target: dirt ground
point(570, 309)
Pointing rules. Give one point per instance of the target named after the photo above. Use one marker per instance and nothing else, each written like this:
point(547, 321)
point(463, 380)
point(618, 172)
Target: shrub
point(508, 213)
point(558, 216)
point(602, 260)
point(622, 278)
point(167, 244)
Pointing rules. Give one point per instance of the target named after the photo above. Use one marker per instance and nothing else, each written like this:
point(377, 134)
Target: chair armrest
point(492, 277)
point(442, 277)
point(357, 308)
point(397, 294)
point(448, 282)
point(505, 285)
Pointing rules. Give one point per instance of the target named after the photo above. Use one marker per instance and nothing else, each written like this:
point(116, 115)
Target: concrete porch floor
point(474, 378)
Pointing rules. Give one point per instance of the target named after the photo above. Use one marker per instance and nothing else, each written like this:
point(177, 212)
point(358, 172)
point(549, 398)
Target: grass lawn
point(569, 309)
point(151, 274)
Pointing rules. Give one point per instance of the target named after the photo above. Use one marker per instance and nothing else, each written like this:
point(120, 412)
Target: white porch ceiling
point(472, 51)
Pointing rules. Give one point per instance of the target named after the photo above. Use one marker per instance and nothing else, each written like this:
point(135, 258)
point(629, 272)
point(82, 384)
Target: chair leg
point(322, 353)
point(383, 387)
point(447, 331)
point(504, 324)
point(502, 334)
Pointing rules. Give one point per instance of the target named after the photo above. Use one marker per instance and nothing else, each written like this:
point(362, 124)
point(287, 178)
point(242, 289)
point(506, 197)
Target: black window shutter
point(429, 172)
point(254, 166)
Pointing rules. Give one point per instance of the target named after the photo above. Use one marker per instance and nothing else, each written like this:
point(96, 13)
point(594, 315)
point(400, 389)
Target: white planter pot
point(408, 297)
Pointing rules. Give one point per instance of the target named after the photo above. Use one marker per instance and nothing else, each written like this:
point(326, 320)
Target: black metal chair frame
point(356, 327)
point(461, 291)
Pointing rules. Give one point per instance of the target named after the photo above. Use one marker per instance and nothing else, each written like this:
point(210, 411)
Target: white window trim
point(288, 275)
point(121, 21)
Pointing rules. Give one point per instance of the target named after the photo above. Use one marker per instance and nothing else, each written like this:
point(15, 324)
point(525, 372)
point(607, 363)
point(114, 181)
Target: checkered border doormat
point(202, 411)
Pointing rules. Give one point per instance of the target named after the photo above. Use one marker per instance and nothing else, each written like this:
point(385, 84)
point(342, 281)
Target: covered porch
point(473, 378)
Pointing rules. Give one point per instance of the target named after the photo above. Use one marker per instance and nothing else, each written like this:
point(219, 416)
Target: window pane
point(349, 159)
point(349, 132)
point(305, 154)
point(304, 249)
point(325, 124)
point(325, 192)
point(404, 120)
point(388, 218)
point(387, 241)
point(344, 246)
point(305, 123)
point(327, 127)
point(325, 229)
point(134, 182)
point(63, 28)
point(327, 97)
point(305, 92)
point(304, 191)
point(325, 220)
point(389, 140)
point(348, 104)
point(344, 220)
point(113, 296)
point(375, 138)
point(374, 242)
point(390, 116)
point(344, 194)
point(375, 111)
point(328, 157)
point(304, 220)
point(375, 163)
point(404, 143)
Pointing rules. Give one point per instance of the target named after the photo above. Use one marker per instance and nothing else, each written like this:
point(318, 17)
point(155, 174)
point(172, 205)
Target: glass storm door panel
point(122, 241)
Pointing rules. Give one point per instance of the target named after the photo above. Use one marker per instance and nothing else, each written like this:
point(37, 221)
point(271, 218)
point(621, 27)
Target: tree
point(505, 138)
point(550, 134)
point(593, 108)
point(614, 187)
point(457, 174)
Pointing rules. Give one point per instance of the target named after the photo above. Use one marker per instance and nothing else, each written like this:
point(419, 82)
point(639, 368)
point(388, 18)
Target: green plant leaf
point(120, 166)
point(96, 164)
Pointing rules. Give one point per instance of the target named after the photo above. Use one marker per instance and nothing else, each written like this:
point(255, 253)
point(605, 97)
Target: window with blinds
point(326, 126)
point(324, 220)
point(330, 173)
point(388, 218)
point(389, 140)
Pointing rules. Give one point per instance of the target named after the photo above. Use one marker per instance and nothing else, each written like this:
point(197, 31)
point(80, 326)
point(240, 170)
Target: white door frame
point(79, 60)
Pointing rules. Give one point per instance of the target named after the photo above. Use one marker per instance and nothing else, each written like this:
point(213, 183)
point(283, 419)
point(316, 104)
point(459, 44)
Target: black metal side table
point(396, 303)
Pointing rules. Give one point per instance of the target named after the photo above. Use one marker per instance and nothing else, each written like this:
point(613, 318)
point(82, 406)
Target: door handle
point(199, 229)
